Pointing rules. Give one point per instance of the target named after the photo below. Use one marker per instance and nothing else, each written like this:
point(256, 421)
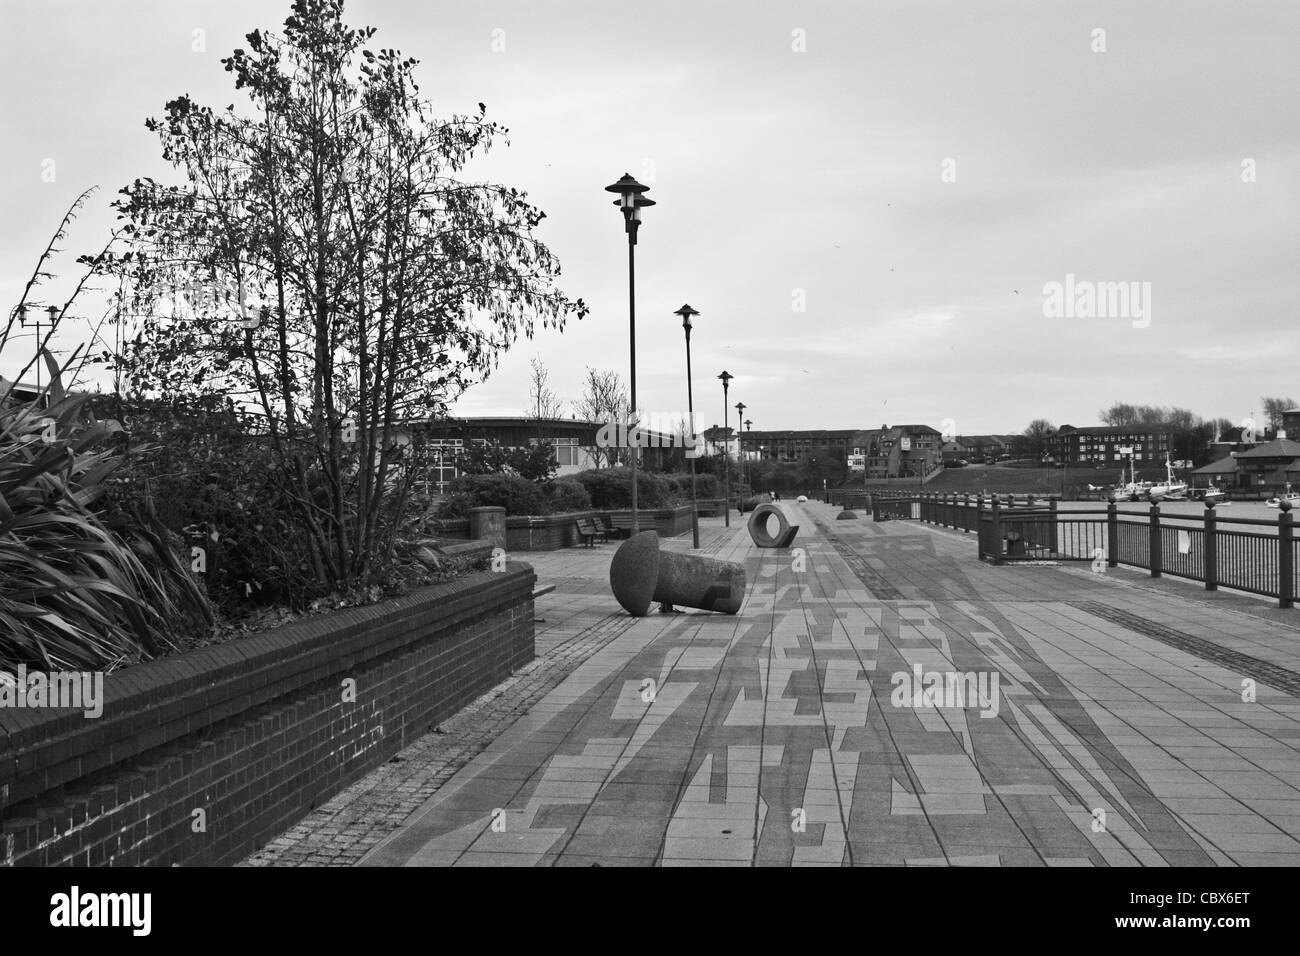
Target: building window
point(439, 464)
point(567, 451)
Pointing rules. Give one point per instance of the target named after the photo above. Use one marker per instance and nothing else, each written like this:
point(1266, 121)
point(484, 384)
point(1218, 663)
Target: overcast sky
point(783, 173)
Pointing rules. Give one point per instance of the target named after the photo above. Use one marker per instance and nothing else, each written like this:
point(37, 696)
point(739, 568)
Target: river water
point(1185, 510)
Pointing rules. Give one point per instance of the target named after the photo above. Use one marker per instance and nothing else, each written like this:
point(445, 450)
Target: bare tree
point(604, 399)
point(1036, 436)
point(543, 403)
point(1221, 428)
point(1119, 414)
point(1123, 414)
point(1274, 407)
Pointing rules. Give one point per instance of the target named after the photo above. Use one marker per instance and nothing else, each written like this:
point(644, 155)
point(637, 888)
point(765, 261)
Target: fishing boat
point(1293, 497)
point(1132, 490)
point(1212, 493)
point(1170, 489)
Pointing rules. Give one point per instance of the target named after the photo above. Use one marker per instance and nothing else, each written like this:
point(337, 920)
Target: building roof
point(800, 434)
point(554, 427)
point(1224, 466)
point(1113, 430)
point(27, 391)
point(1277, 448)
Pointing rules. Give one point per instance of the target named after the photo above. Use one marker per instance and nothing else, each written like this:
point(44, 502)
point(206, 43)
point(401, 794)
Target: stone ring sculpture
point(758, 528)
point(640, 573)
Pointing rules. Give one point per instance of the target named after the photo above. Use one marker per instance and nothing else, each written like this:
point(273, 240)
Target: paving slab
point(882, 698)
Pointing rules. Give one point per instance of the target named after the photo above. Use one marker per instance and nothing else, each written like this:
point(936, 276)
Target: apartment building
point(1107, 445)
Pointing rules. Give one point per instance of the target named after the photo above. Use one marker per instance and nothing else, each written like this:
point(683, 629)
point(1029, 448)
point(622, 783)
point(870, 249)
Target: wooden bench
point(620, 525)
point(588, 531)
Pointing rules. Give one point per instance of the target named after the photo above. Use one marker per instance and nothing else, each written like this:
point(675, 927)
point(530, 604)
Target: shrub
point(567, 495)
point(612, 488)
point(536, 462)
point(193, 465)
point(75, 592)
point(517, 495)
point(706, 485)
point(456, 506)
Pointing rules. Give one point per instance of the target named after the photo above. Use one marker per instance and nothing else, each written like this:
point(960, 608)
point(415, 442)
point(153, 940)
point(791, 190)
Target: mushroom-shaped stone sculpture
point(640, 573)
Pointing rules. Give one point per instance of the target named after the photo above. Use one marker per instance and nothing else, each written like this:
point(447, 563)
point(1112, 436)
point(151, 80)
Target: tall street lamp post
point(752, 491)
point(726, 444)
point(53, 312)
point(631, 201)
point(740, 441)
point(686, 312)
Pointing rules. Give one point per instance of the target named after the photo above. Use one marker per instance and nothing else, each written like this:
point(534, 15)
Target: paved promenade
point(1117, 726)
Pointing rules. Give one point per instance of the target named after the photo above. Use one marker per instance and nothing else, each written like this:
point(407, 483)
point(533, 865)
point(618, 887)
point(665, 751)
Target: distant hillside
point(998, 481)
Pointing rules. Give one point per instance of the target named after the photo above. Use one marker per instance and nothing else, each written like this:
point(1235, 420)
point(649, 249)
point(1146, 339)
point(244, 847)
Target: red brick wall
point(255, 732)
point(552, 532)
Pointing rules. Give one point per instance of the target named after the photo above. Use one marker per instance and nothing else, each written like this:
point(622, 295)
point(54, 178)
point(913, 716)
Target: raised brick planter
point(667, 522)
point(544, 532)
point(552, 532)
point(254, 733)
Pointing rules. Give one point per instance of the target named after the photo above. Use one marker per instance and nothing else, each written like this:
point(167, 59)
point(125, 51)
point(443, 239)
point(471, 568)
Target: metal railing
point(1258, 555)
point(894, 505)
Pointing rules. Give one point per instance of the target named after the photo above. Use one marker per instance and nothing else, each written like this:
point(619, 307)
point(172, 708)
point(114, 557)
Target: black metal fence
point(894, 506)
point(1258, 555)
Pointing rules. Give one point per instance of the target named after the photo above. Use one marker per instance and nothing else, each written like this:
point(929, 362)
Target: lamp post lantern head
point(740, 407)
point(747, 424)
point(641, 203)
point(686, 312)
point(53, 310)
point(726, 379)
point(22, 314)
point(631, 201)
point(628, 189)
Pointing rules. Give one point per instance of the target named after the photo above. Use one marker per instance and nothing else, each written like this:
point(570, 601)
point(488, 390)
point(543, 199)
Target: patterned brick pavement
point(342, 830)
point(1117, 732)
